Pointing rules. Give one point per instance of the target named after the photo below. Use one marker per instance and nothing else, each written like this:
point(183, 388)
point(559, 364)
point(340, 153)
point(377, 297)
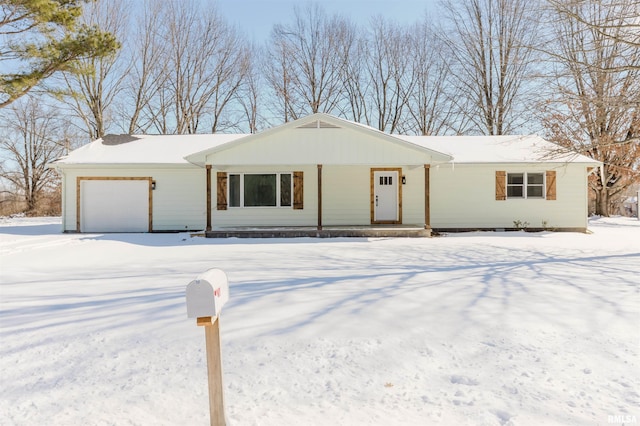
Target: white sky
point(256, 18)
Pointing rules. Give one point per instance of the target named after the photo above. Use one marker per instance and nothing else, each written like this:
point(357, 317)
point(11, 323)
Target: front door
point(385, 196)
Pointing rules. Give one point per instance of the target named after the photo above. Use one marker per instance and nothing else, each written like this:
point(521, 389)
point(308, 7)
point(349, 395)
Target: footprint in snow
point(504, 417)
point(463, 380)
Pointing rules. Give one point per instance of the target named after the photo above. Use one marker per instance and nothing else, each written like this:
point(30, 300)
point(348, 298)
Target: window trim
point(277, 194)
point(525, 186)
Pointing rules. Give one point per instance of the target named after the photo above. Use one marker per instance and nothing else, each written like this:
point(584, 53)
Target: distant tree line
point(566, 69)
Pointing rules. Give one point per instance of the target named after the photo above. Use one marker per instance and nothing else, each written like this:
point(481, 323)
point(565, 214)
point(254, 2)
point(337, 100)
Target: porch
point(371, 231)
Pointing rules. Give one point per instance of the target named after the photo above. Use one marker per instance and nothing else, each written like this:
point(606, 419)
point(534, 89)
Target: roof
point(313, 149)
point(144, 149)
point(193, 149)
point(499, 149)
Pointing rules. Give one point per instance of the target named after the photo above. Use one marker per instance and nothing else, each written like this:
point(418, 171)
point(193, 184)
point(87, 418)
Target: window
point(260, 190)
point(285, 190)
point(525, 185)
point(535, 185)
point(515, 185)
point(234, 190)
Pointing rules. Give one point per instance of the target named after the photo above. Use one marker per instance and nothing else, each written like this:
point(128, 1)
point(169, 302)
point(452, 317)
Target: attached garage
point(136, 183)
point(113, 204)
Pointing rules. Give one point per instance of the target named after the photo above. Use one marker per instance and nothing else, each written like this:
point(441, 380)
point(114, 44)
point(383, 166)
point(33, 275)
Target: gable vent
point(318, 124)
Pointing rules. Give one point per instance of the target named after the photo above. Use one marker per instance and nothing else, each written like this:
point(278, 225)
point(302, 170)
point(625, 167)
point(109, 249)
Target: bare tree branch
point(595, 106)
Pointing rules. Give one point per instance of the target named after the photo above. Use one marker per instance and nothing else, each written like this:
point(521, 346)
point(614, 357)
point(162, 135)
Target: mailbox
point(207, 294)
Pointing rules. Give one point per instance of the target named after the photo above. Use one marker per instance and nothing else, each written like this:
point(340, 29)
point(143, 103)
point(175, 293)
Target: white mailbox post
point(206, 295)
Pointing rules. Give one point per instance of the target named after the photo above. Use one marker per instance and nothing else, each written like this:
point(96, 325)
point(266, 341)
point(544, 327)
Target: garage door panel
point(114, 206)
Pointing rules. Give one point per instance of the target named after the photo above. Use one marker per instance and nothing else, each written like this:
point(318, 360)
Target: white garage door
point(114, 205)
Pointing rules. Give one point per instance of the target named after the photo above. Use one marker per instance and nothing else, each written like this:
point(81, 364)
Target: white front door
point(385, 196)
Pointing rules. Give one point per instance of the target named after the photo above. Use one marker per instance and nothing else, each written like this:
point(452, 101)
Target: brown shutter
point(501, 185)
point(222, 191)
point(298, 190)
point(551, 185)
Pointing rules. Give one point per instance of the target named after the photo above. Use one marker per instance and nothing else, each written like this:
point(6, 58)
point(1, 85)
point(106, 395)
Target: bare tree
point(390, 74)
point(207, 61)
point(357, 86)
point(596, 107)
point(249, 92)
point(489, 44)
point(278, 75)
point(91, 92)
point(30, 138)
point(146, 55)
point(188, 66)
point(623, 25)
point(429, 106)
point(306, 61)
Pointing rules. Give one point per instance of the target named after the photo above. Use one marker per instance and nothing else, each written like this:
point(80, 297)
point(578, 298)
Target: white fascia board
point(112, 166)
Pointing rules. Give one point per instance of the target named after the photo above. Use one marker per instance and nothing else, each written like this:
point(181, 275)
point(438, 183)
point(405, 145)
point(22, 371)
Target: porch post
point(319, 197)
point(208, 197)
point(427, 198)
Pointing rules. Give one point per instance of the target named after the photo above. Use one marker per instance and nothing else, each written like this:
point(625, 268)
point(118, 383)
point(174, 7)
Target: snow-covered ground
point(466, 329)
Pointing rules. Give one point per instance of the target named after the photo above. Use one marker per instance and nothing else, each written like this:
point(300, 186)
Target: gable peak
point(318, 124)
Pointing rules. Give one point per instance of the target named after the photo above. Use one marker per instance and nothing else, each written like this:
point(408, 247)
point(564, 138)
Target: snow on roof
point(174, 149)
point(498, 149)
point(144, 149)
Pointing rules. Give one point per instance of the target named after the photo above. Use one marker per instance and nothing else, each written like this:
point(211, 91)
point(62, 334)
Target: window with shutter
point(249, 190)
point(222, 190)
point(501, 185)
point(551, 185)
point(524, 185)
point(298, 190)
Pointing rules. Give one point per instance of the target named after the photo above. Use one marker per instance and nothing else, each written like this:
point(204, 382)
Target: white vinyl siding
point(268, 216)
point(455, 203)
point(179, 200)
point(343, 146)
point(346, 195)
point(346, 199)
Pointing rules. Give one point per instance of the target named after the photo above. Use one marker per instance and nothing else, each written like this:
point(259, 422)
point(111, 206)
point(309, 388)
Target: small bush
point(520, 225)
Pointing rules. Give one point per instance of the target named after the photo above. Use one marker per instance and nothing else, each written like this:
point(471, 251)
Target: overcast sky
point(257, 17)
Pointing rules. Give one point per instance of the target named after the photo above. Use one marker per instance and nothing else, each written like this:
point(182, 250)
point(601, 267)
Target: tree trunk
point(602, 201)
point(30, 198)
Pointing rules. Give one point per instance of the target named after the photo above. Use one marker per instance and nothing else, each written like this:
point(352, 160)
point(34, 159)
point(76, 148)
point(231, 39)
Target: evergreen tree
point(39, 38)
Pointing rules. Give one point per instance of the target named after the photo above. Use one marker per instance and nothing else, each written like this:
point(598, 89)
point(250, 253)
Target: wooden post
point(427, 197)
point(208, 197)
point(214, 369)
point(319, 197)
point(206, 295)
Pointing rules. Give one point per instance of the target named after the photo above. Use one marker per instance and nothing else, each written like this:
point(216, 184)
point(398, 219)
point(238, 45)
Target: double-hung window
point(260, 189)
point(525, 185)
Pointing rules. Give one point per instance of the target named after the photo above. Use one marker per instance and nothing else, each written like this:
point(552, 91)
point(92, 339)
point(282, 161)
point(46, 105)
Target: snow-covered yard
point(478, 329)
